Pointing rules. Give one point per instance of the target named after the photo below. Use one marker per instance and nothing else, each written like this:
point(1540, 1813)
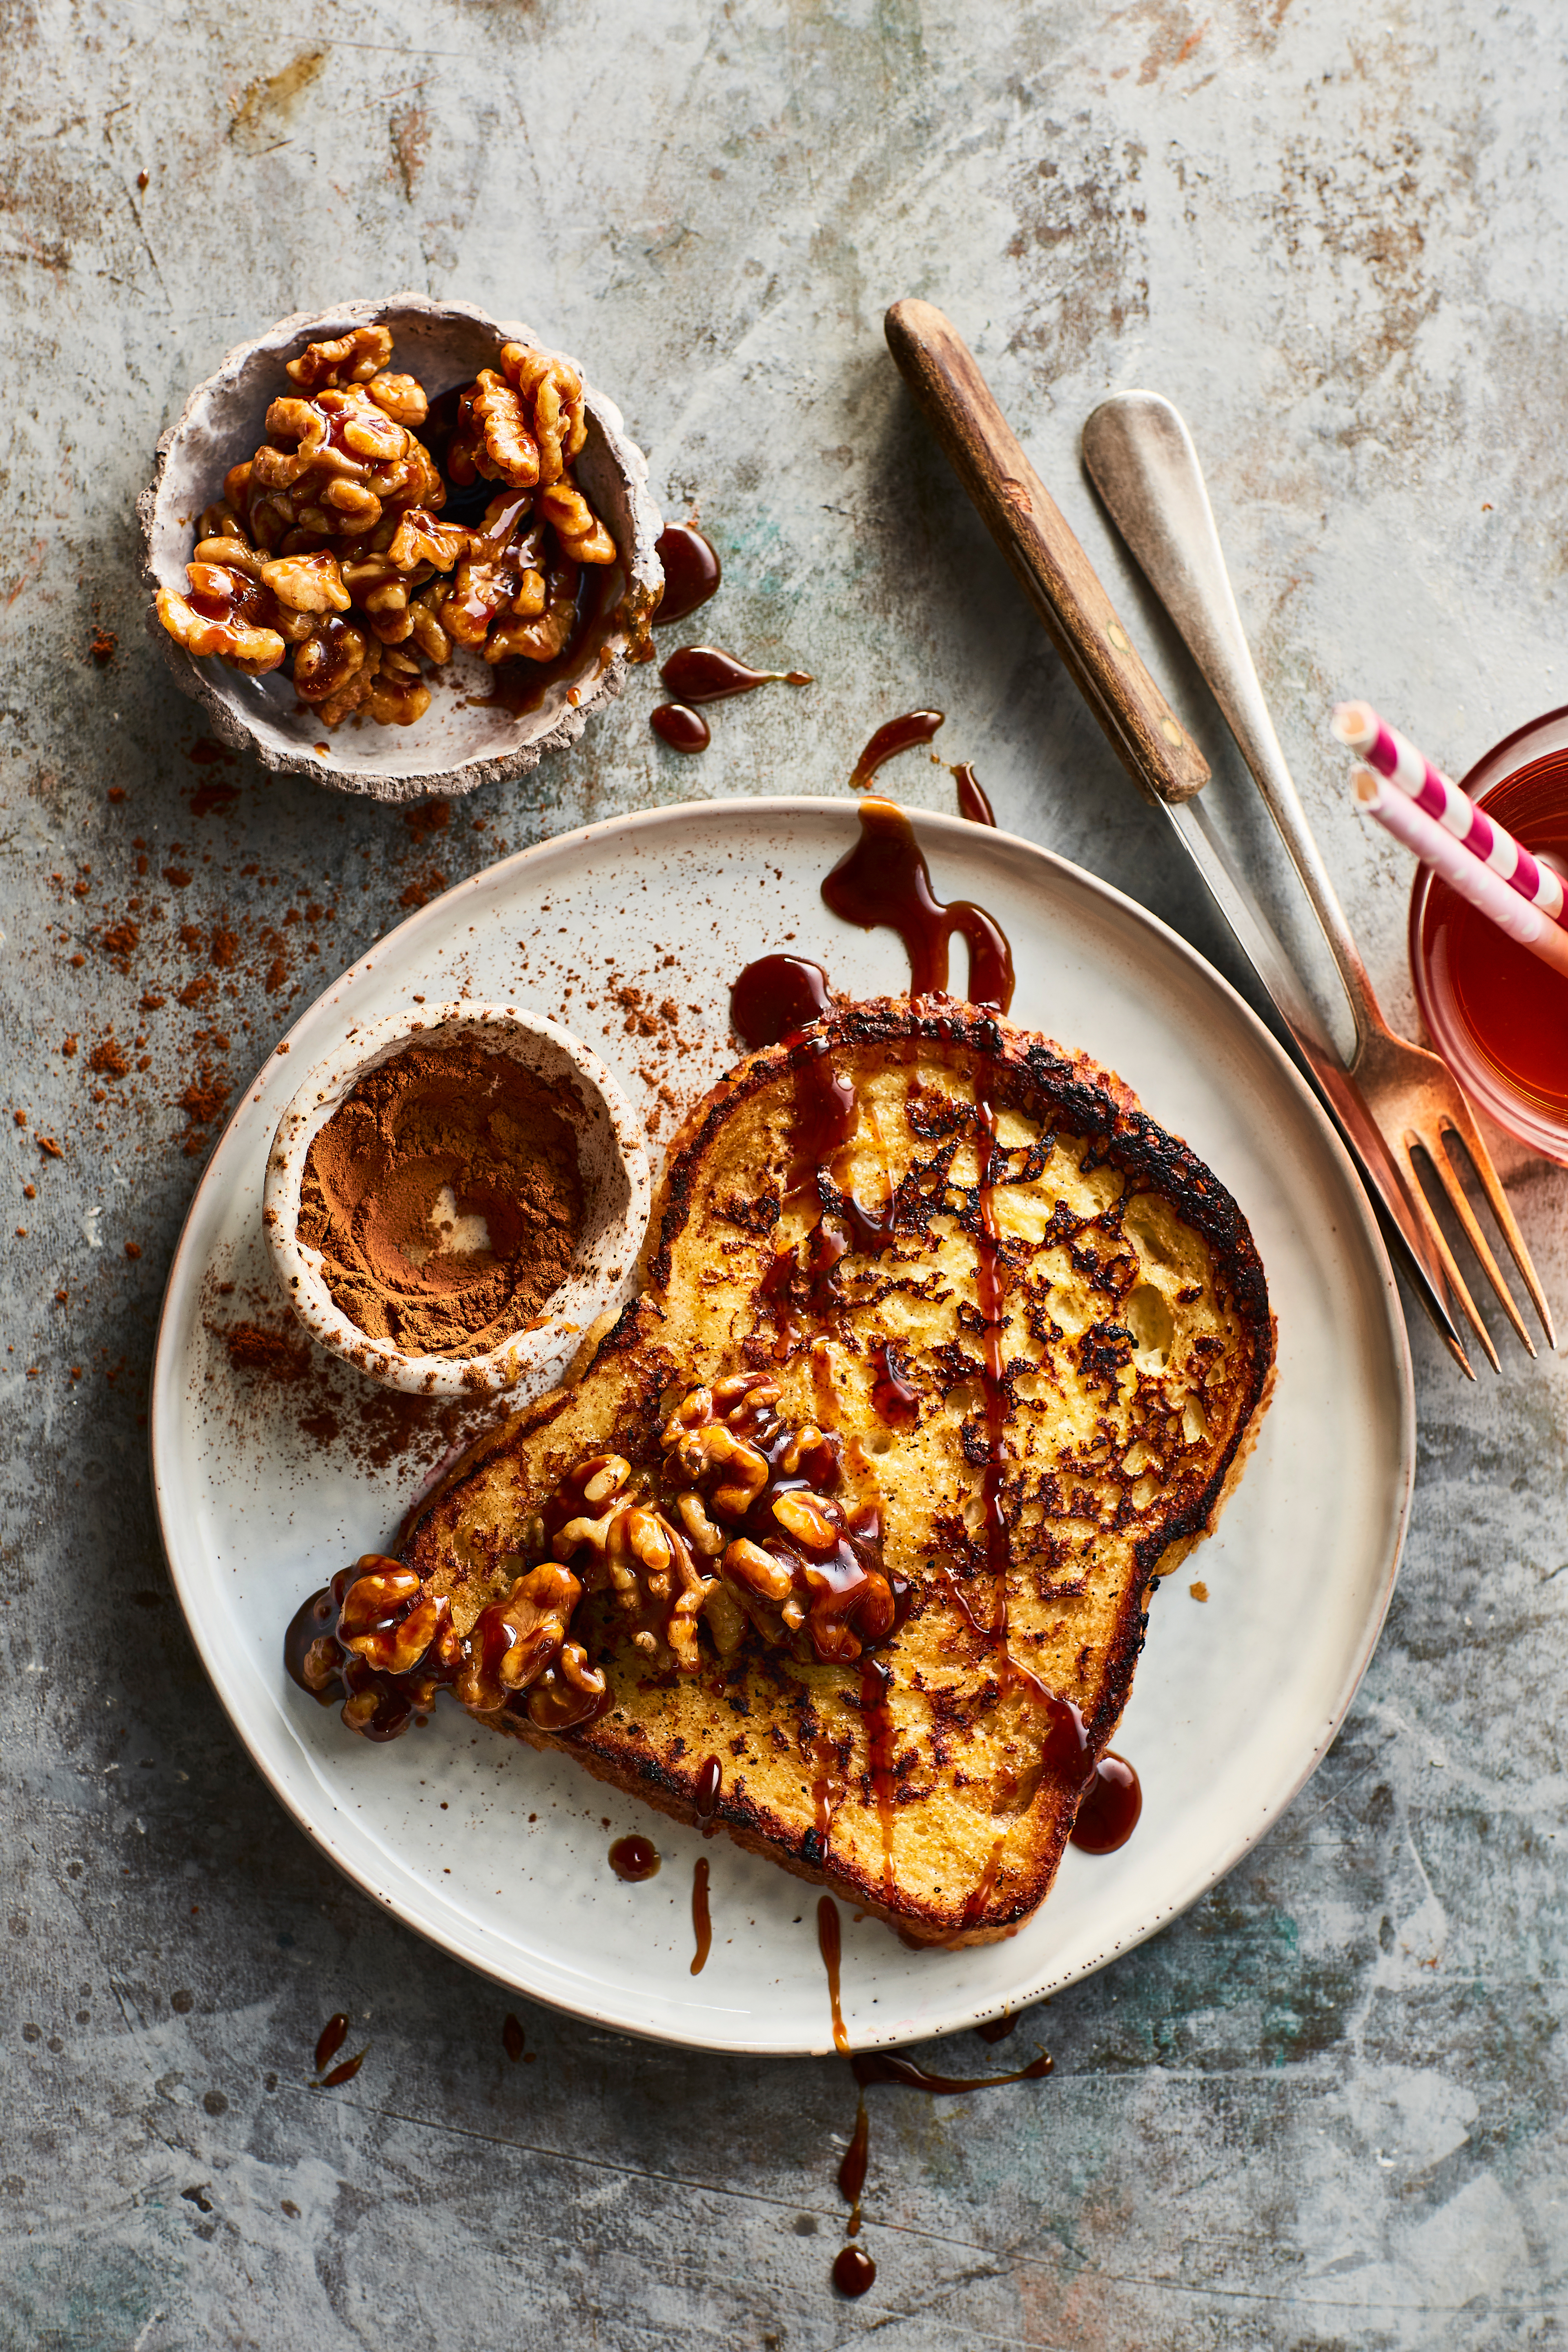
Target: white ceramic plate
point(498, 1853)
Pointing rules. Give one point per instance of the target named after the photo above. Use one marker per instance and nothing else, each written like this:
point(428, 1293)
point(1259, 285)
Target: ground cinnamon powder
point(444, 1197)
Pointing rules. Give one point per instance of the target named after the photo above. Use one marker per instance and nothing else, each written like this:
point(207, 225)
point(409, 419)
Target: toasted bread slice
point(1028, 1335)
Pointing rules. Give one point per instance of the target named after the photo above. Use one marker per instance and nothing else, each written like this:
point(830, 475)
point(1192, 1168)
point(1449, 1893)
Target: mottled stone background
point(1327, 2109)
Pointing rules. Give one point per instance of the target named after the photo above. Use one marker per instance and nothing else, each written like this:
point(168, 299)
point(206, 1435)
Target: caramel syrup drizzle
point(830, 1943)
point(701, 1917)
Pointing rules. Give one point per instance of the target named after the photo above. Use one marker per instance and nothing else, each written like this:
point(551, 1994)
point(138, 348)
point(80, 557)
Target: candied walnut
point(358, 425)
point(236, 555)
point(567, 1693)
point(398, 695)
point(582, 535)
point(253, 650)
point(421, 484)
point(706, 1539)
point(354, 509)
point(421, 539)
point(353, 695)
point(764, 1577)
point(545, 636)
point(335, 667)
point(424, 622)
point(329, 656)
point(501, 574)
point(382, 593)
point(514, 1641)
point(352, 358)
point(221, 521)
point(554, 391)
point(387, 609)
point(803, 1517)
point(298, 423)
point(385, 1620)
point(225, 591)
point(308, 583)
point(401, 397)
point(504, 450)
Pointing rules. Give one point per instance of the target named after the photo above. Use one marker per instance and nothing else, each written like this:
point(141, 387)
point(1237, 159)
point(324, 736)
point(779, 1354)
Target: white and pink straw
point(1478, 884)
point(1394, 756)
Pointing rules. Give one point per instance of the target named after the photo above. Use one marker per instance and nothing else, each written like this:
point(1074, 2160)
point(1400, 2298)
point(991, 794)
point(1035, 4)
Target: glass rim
point(1517, 1114)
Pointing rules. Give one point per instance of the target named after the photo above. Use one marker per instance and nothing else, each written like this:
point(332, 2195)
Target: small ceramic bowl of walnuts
point(401, 547)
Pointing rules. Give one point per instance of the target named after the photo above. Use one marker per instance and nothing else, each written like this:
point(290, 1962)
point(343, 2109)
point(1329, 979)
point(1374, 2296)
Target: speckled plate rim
point(419, 1904)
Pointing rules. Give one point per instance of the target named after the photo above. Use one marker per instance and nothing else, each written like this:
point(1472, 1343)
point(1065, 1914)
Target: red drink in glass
point(1497, 1015)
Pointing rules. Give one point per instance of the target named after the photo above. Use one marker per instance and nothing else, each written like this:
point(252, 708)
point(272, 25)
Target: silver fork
point(1142, 460)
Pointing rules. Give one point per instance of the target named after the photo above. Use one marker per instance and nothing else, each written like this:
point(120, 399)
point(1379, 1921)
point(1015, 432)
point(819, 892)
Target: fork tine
point(1441, 1242)
point(1448, 1177)
point(1480, 1160)
point(1450, 1342)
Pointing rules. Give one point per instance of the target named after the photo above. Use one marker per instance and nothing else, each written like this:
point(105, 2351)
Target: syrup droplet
point(777, 997)
point(854, 2271)
point(692, 571)
point(333, 2034)
point(345, 2073)
point(710, 1783)
point(708, 674)
point(512, 2037)
point(852, 2170)
point(973, 802)
point(635, 1858)
point(898, 735)
point(682, 728)
point(1108, 1814)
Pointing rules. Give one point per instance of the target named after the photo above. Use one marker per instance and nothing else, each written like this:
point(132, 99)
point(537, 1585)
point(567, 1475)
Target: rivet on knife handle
point(1052, 568)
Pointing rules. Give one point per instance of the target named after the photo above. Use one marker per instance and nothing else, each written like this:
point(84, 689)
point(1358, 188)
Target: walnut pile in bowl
point(438, 566)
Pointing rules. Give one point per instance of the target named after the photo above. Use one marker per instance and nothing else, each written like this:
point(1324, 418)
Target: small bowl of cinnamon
point(455, 1197)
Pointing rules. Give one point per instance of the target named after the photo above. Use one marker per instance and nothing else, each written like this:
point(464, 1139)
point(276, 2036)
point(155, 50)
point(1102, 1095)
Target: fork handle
point(1142, 460)
point(1052, 569)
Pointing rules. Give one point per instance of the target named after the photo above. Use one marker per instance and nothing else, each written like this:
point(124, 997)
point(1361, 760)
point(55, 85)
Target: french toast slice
point(1001, 1344)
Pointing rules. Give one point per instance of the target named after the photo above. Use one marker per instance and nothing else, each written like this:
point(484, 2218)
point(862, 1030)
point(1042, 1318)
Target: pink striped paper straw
point(1477, 884)
point(1394, 755)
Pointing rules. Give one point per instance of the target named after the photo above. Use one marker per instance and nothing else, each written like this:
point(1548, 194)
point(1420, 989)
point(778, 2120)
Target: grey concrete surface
point(1326, 2109)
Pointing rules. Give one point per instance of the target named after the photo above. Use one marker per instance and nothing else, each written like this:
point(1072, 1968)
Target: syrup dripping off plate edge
point(1100, 973)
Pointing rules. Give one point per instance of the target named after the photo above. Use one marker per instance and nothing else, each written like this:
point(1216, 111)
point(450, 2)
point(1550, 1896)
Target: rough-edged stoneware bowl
point(611, 1158)
point(456, 746)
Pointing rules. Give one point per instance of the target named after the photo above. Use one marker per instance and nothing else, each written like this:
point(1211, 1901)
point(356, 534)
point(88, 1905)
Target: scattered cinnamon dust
point(335, 1406)
point(427, 817)
point(210, 796)
point(256, 1347)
